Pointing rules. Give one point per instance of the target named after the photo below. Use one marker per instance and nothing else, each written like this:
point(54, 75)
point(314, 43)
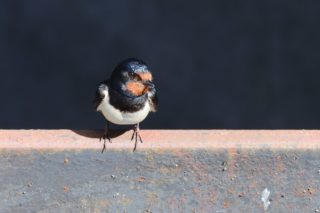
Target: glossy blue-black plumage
point(128, 65)
point(120, 98)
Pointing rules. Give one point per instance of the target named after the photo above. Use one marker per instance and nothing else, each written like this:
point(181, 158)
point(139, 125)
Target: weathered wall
point(246, 64)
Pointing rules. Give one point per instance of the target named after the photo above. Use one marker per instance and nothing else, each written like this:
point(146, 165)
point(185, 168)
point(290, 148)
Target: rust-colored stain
point(241, 194)
point(196, 191)
point(140, 179)
point(280, 167)
point(303, 192)
point(164, 139)
point(232, 161)
point(311, 191)
point(226, 204)
point(66, 161)
point(66, 189)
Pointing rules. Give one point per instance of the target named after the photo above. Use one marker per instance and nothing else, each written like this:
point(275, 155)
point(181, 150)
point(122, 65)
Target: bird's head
point(132, 77)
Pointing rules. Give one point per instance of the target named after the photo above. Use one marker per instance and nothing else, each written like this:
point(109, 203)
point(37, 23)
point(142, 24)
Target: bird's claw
point(105, 137)
point(136, 135)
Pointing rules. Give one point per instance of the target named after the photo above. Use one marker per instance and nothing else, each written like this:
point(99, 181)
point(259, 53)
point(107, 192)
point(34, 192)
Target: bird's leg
point(106, 136)
point(135, 135)
point(138, 133)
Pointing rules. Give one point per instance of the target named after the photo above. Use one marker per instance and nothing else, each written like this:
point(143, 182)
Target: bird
point(127, 97)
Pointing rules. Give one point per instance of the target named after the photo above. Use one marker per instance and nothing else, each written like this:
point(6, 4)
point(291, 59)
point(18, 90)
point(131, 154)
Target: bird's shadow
point(99, 133)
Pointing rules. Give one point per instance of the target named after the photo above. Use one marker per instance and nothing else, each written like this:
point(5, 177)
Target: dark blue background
point(217, 64)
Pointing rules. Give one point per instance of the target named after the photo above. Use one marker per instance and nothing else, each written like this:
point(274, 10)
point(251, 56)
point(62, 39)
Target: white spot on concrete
point(265, 198)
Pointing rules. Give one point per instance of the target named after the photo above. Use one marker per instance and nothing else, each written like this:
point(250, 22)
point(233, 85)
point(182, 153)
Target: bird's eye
point(131, 74)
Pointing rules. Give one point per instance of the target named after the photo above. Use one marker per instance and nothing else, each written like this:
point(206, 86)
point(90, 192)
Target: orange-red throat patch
point(145, 76)
point(136, 88)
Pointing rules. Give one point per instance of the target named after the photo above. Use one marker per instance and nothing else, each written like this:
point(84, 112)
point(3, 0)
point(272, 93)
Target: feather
point(153, 101)
point(99, 93)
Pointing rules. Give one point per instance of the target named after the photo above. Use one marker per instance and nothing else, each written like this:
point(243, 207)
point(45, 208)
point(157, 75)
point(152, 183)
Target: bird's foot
point(105, 137)
point(136, 135)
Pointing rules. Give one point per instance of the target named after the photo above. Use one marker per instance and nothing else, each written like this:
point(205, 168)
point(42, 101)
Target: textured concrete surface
point(172, 179)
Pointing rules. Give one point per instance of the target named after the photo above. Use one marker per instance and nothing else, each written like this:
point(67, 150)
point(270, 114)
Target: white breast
point(122, 118)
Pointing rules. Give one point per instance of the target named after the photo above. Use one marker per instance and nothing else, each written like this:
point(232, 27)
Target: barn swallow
point(127, 97)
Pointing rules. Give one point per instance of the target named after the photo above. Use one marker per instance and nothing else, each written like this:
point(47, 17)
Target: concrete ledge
point(162, 139)
point(172, 171)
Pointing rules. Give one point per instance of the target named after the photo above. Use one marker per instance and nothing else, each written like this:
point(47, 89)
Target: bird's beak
point(148, 84)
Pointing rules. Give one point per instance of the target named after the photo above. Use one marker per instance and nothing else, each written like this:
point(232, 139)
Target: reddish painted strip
point(162, 139)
